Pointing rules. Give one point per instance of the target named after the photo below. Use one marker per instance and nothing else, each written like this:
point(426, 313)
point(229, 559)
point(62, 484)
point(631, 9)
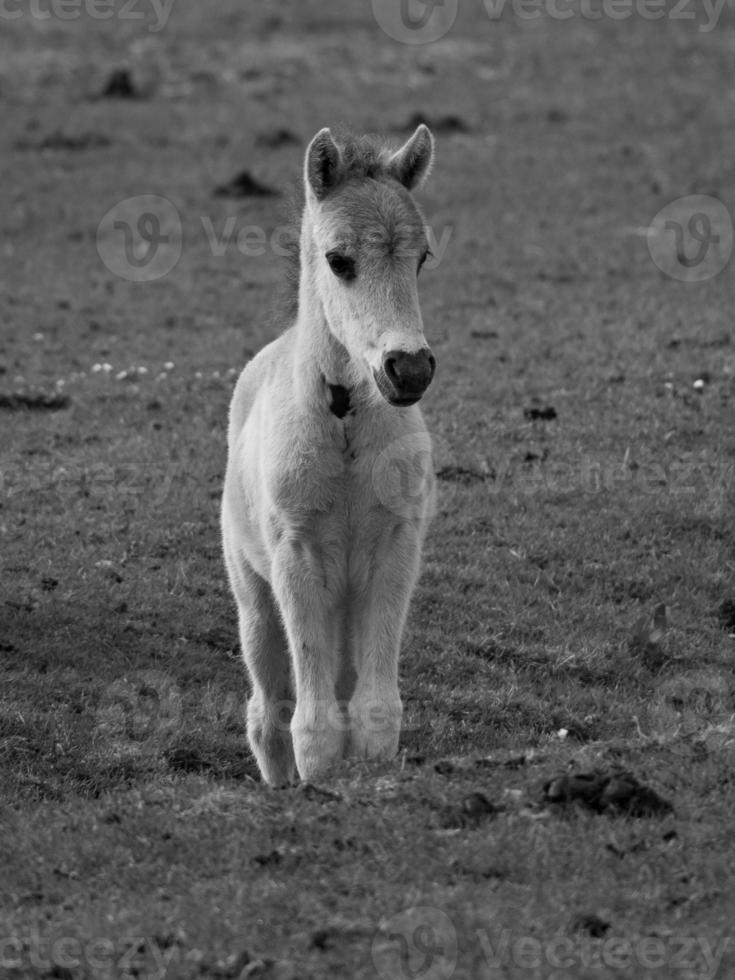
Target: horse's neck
point(319, 356)
point(317, 350)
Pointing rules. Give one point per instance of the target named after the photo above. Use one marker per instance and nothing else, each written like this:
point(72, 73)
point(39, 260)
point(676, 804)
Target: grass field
point(582, 415)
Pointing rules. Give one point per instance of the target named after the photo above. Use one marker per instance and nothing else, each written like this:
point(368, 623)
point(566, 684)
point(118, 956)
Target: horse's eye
point(423, 259)
point(341, 265)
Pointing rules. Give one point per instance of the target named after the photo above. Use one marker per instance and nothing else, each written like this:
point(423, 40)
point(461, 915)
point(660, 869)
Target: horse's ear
point(323, 161)
point(411, 164)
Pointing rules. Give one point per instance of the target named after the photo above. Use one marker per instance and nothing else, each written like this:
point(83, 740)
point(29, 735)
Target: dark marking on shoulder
point(339, 403)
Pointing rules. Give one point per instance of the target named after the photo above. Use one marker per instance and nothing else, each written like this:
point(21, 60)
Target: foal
point(321, 556)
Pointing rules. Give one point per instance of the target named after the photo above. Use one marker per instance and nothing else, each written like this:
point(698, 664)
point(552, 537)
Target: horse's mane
point(288, 306)
point(362, 156)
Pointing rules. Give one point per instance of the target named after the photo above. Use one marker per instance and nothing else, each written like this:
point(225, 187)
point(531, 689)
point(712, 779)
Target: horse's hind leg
point(265, 651)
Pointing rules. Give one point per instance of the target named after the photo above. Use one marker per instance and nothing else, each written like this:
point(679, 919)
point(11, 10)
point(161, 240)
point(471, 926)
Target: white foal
point(322, 556)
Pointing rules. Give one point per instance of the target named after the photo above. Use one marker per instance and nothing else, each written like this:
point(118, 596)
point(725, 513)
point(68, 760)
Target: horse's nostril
point(432, 365)
point(389, 366)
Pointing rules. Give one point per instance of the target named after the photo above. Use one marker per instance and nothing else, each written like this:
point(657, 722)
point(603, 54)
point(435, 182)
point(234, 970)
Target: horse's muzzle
point(404, 377)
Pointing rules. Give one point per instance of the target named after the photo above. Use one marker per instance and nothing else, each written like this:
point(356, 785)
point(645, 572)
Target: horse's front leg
point(376, 627)
point(310, 615)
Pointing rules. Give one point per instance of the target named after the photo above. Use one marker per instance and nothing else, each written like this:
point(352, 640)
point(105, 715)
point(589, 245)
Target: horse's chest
point(353, 501)
point(340, 502)
point(328, 488)
point(352, 531)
